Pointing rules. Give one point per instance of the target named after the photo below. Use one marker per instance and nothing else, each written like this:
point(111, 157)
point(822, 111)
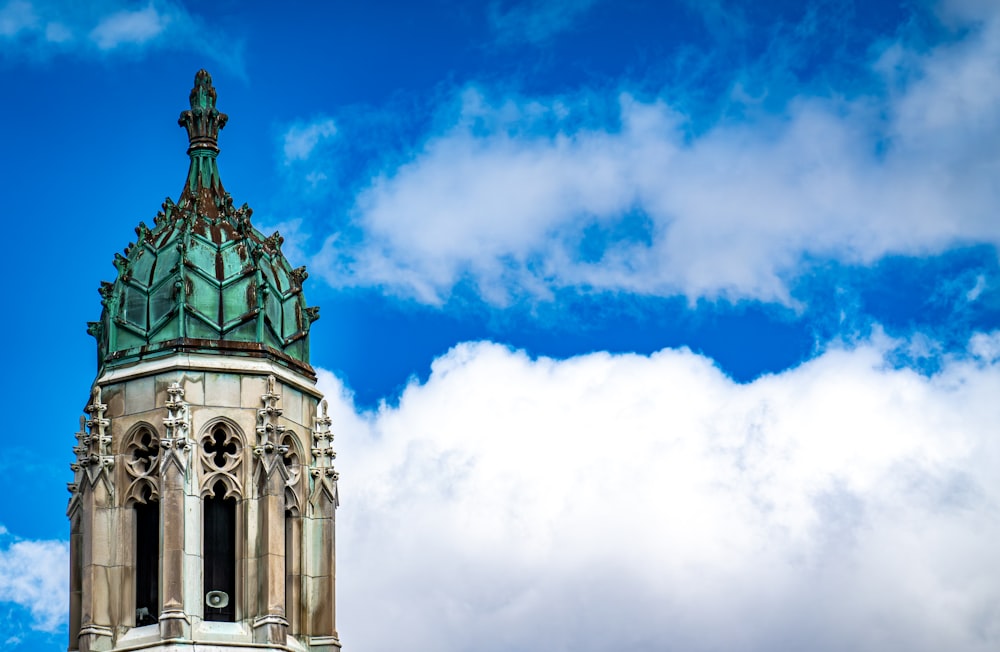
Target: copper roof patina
point(203, 279)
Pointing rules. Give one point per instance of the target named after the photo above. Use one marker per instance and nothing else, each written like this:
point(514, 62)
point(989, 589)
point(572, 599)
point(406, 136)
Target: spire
point(203, 122)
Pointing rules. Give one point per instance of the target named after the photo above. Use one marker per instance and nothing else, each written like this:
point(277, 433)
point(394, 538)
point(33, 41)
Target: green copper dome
point(203, 279)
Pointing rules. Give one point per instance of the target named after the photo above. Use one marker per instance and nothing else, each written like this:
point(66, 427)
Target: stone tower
point(204, 493)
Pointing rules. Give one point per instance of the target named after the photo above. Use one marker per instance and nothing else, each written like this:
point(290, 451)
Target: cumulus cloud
point(33, 574)
point(43, 28)
point(527, 195)
point(651, 503)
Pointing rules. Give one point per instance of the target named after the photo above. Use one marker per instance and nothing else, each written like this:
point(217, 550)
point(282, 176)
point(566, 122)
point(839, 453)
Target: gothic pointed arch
point(292, 458)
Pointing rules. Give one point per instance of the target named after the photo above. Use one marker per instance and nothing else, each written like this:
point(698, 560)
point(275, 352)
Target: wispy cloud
point(15, 17)
point(300, 140)
point(129, 28)
point(510, 503)
point(38, 29)
point(524, 196)
point(535, 21)
point(33, 574)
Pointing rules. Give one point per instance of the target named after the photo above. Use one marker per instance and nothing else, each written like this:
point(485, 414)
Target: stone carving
point(270, 449)
point(80, 451)
point(96, 460)
point(175, 444)
point(141, 460)
point(324, 476)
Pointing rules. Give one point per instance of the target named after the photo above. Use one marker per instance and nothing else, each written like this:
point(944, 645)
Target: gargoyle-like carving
point(298, 275)
point(122, 265)
point(241, 218)
point(273, 242)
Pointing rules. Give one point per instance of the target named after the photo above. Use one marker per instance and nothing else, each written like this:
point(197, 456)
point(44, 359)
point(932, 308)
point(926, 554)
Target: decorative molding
point(176, 444)
point(80, 450)
point(96, 630)
point(96, 460)
point(324, 476)
point(270, 619)
point(270, 450)
point(187, 362)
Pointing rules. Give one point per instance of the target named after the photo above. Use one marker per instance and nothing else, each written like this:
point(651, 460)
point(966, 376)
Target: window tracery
point(141, 460)
point(221, 453)
point(292, 459)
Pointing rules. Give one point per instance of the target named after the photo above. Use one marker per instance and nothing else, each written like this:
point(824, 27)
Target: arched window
point(293, 530)
point(219, 555)
point(142, 466)
point(147, 557)
point(221, 451)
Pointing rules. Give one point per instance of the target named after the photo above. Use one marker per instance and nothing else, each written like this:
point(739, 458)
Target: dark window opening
point(289, 576)
point(147, 556)
point(219, 554)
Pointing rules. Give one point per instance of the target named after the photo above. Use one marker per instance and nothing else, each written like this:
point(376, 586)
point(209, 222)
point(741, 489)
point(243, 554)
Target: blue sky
point(661, 325)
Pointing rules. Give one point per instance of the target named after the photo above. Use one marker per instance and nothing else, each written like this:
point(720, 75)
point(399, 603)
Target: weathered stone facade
point(180, 429)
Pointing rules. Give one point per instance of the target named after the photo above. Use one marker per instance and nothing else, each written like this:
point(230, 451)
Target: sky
point(645, 325)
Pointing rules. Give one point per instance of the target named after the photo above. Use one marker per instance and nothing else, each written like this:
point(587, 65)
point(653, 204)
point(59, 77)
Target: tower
point(204, 494)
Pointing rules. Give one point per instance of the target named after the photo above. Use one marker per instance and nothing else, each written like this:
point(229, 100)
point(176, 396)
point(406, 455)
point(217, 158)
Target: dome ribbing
point(203, 279)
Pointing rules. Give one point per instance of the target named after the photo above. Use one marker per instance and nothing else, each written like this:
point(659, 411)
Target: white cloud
point(651, 503)
point(15, 17)
point(33, 574)
point(301, 140)
point(535, 21)
point(511, 195)
point(129, 28)
point(43, 28)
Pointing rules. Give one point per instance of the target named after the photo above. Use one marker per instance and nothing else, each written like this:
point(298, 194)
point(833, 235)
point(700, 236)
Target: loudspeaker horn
point(217, 599)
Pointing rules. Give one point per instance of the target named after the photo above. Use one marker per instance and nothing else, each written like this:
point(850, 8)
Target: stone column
point(293, 573)
point(320, 541)
point(73, 512)
point(175, 448)
point(97, 531)
point(270, 625)
point(75, 580)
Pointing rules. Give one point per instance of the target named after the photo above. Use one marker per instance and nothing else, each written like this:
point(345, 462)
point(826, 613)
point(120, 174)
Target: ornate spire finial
point(203, 121)
point(203, 189)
